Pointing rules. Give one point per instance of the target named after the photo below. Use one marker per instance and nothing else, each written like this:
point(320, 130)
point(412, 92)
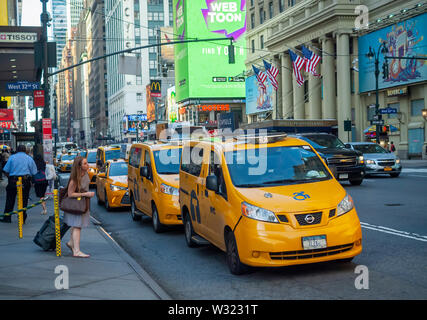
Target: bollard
point(57, 222)
point(20, 206)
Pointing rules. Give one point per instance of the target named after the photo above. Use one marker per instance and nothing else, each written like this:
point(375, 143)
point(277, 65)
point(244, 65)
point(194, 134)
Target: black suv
point(345, 163)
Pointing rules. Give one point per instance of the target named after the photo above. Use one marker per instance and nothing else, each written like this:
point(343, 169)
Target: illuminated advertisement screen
point(405, 39)
point(202, 69)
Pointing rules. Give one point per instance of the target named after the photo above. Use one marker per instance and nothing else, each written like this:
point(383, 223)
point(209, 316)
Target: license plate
point(343, 176)
point(388, 169)
point(315, 242)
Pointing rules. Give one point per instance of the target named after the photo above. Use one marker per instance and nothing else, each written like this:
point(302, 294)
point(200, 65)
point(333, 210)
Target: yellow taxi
point(268, 201)
point(65, 162)
point(112, 184)
point(105, 153)
point(154, 182)
point(91, 160)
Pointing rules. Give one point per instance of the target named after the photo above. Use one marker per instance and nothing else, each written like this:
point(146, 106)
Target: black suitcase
point(45, 237)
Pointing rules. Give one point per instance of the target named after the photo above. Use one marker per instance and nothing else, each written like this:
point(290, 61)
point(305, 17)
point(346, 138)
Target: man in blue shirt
point(18, 165)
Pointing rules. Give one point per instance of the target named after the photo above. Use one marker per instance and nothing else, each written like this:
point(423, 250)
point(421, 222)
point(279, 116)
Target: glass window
point(324, 141)
point(147, 163)
point(369, 148)
point(261, 15)
point(112, 154)
point(282, 166)
point(253, 20)
point(118, 169)
point(192, 159)
point(167, 161)
point(416, 107)
point(395, 106)
point(253, 46)
point(271, 9)
point(215, 169)
point(91, 157)
point(68, 157)
point(261, 40)
point(135, 157)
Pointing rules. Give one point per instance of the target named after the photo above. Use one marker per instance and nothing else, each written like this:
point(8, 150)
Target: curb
point(142, 274)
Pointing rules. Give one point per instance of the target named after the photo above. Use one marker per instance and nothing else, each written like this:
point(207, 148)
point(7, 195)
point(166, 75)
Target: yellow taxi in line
point(91, 160)
point(105, 153)
point(270, 202)
point(112, 184)
point(154, 182)
point(65, 162)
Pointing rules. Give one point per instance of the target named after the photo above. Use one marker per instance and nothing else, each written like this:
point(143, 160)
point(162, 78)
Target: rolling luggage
point(45, 237)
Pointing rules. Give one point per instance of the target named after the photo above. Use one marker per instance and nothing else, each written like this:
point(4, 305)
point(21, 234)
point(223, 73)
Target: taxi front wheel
point(189, 232)
point(133, 214)
point(233, 260)
point(157, 225)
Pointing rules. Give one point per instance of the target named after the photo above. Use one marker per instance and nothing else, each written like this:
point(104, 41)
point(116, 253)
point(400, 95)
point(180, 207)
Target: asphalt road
point(393, 214)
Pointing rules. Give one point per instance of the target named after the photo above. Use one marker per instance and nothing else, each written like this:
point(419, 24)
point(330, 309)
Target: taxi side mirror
point(101, 175)
point(348, 146)
point(143, 172)
point(212, 183)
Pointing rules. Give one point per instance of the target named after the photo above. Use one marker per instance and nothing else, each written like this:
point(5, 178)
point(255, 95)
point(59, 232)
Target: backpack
point(39, 177)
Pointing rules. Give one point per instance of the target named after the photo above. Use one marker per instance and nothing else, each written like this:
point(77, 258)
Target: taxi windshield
point(167, 160)
point(369, 148)
point(275, 166)
point(112, 154)
point(91, 157)
point(68, 157)
point(118, 169)
point(324, 141)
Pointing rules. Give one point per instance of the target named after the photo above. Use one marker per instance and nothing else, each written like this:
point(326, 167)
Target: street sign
point(377, 117)
point(347, 125)
point(38, 98)
point(47, 129)
point(388, 110)
point(377, 122)
point(156, 88)
point(22, 86)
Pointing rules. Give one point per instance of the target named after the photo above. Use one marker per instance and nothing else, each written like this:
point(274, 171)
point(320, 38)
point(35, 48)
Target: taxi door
point(101, 181)
point(217, 202)
point(147, 184)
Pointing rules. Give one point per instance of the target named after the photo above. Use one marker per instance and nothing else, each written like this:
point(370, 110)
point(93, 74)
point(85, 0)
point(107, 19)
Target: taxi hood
point(170, 179)
point(295, 198)
point(120, 180)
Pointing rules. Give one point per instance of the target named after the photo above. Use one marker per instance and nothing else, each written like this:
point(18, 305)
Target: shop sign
point(397, 92)
point(215, 107)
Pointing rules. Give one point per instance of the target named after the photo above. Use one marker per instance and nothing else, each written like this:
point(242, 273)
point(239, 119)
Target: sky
point(31, 10)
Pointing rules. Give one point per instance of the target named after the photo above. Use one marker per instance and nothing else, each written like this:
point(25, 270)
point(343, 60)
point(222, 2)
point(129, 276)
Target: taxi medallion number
point(315, 242)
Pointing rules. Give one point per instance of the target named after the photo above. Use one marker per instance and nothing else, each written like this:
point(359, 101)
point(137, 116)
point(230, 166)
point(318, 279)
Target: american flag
point(298, 64)
point(272, 73)
point(311, 61)
point(261, 77)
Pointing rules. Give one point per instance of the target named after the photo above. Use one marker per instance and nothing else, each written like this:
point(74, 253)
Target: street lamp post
point(376, 55)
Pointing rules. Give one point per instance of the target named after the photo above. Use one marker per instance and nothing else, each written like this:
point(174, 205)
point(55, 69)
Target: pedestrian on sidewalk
point(392, 147)
point(40, 180)
point(18, 165)
point(50, 177)
point(78, 186)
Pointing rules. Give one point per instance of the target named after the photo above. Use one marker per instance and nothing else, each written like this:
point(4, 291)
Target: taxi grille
point(125, 199)
point(309, 254)
point(386, 163)
point(304, 221)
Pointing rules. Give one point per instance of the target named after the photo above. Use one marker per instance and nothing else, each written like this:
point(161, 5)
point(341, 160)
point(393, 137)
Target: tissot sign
point(18, 37)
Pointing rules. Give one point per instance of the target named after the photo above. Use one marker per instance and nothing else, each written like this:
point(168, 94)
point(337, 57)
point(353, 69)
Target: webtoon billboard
point(202, 69)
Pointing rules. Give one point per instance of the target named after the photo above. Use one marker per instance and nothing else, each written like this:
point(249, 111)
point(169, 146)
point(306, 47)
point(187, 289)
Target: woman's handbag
point(72, 205)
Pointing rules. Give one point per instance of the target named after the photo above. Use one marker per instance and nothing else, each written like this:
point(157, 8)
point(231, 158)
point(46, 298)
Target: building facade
point(329, 28)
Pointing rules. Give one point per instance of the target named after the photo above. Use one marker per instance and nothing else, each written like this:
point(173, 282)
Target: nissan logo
point(309, 219)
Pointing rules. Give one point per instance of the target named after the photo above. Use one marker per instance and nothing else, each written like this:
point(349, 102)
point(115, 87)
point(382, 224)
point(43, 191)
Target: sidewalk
point(28, 272)
point(414, 163)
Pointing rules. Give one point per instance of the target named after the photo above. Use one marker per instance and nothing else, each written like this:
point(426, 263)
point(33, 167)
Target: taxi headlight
point(169, 189)
point(92, 170)
point(361, 159)
point(257, 213)
point(345, 205)
point(397, 160)
point(117, 188)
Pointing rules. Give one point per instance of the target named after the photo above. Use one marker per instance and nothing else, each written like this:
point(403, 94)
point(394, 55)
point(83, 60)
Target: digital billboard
point(202, 69)
point(258, 100)
point(404, 39)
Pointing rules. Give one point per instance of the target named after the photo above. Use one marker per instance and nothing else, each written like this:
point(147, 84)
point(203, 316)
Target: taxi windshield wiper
point(249, 185)
point(290, 181)
point(168, 172)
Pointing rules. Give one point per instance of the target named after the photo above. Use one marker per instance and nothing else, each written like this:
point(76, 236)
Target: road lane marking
point(395, 232)
point(407, 170)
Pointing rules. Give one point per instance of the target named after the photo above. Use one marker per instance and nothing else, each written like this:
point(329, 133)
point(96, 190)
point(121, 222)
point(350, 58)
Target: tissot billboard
point(405, 39)
point(202, 69)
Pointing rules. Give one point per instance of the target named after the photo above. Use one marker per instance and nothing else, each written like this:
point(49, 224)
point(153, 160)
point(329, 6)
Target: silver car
point(377, 159)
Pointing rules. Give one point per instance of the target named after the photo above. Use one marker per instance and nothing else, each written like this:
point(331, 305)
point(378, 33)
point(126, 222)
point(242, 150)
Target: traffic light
point(385, 70)
point(385, 129)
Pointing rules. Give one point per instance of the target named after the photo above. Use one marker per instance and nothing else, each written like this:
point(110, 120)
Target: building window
point(261, 15)
point(253, 46)
point(370, 112)
point(394, 106)
point(261, 40)
point(291, 3)
point(271, 9)
point(416, 107)
point(252, 20)
point(281, 5)
point(252, 3)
